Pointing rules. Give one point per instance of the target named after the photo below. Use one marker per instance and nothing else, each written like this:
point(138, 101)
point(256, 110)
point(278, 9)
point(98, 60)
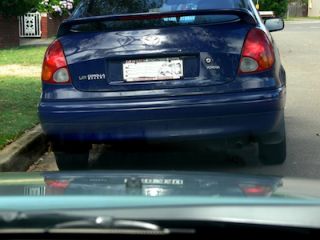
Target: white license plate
point(152, 69)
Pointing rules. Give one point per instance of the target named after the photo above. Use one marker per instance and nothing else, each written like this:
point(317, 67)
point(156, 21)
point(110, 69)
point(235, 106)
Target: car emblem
point(208, 60)
point(152, 40)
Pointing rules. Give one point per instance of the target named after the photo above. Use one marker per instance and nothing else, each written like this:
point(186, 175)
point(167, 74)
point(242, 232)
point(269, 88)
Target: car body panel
point(93, 55)
point(206, 103)
point(220, 116)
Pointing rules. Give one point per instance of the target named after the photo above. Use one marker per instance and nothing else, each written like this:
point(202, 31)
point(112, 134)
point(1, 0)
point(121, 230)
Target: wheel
point(71, 156)
point(274, 152)
point(67, 161)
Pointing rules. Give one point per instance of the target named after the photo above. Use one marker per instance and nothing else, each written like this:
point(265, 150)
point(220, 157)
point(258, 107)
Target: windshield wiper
point(55, 223)
point(108, 223)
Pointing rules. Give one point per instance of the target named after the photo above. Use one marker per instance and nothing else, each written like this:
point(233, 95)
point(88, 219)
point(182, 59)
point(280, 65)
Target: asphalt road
point(299, 44)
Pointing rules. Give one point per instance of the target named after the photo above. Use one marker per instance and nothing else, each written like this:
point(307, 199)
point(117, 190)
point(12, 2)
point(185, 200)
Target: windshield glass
point(105, 8)
point(120, 102)
point(109, 7)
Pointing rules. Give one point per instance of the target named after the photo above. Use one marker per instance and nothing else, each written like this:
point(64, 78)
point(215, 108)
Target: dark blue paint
point(176, 117)
point(95, 52)
point(205, 104)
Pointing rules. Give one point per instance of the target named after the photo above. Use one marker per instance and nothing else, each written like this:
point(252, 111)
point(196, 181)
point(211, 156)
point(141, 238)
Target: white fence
point(30, 25)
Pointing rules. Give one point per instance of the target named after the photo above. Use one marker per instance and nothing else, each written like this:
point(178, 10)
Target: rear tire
point(71, 156)
point(274, 153)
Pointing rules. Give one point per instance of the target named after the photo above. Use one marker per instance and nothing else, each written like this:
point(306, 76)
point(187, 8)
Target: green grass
point(19, 96)
point(22, 55)
point(316, 18)
point(301, 18)
point(18, 106)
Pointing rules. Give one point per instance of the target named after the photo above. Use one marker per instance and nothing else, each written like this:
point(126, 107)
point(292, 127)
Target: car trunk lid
point(135, 59)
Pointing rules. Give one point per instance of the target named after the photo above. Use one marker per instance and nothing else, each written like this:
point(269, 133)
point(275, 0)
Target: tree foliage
point(20, 7)
point(280, 7)
point(16, 7)
point(57, 7)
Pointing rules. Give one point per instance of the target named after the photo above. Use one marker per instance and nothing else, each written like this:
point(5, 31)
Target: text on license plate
point(152, 69)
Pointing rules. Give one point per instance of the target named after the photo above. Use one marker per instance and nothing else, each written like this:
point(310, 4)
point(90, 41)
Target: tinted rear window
point(90, 8)
point(112, 7)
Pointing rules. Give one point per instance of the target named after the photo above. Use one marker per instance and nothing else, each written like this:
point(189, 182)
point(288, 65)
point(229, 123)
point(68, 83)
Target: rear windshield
point(112, 7)
point(91, 8)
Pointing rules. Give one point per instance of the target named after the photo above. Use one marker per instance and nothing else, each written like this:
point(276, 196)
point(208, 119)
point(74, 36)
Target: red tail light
point(257, 53)
point(54, 69)
point(256, 190)
point(57, 184)
point(56, 187)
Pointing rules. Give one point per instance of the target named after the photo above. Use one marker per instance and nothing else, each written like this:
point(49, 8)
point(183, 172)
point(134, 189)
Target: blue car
point(163, 70)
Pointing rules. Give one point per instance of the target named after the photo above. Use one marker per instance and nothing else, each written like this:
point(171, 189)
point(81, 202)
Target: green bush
point(57, 7)
point(280, 7)
point(20, 7)
point(16, 7)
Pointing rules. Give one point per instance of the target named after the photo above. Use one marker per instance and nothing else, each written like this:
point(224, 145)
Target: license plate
point(152, 69)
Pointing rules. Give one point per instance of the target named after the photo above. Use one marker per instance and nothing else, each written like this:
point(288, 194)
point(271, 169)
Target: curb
point(22, 153)
point(35, 43)
point(298, 22)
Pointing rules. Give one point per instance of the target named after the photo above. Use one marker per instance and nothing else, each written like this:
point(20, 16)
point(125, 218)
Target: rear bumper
point(225, 115)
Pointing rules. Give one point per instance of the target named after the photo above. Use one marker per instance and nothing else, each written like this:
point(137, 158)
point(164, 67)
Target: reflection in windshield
point(113, 104)
point(149, 185)
point(102, 7)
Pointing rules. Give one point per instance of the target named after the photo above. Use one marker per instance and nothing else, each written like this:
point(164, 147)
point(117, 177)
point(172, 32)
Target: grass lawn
point(23, 56)
point(301, 18)
point(19, 95)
